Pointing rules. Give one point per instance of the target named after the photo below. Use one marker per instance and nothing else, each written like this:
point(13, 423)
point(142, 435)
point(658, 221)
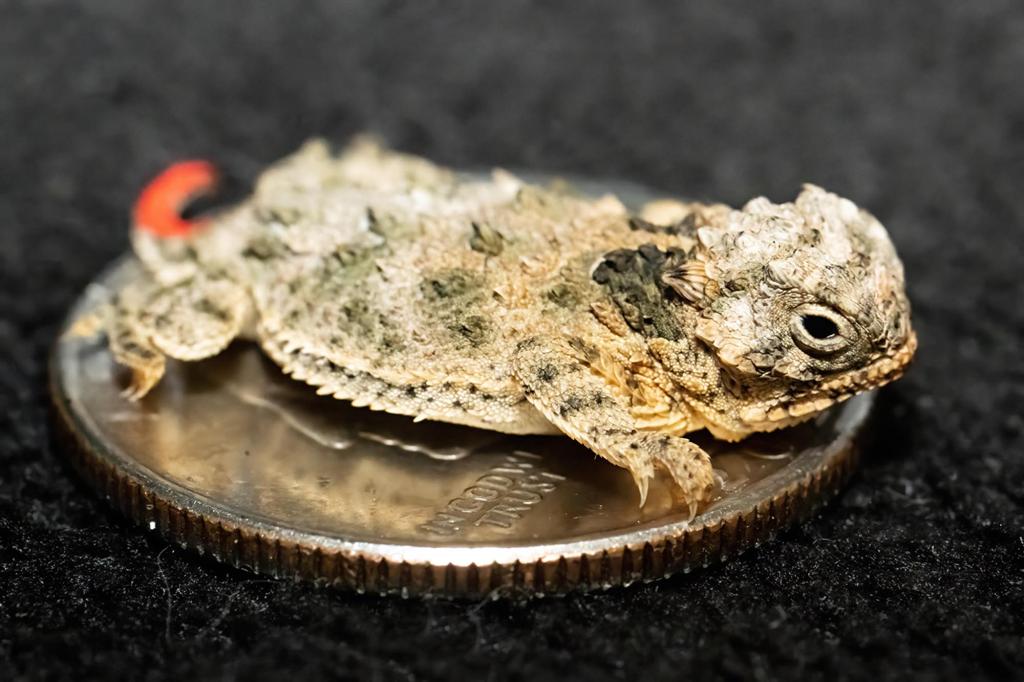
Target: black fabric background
point(913, 110)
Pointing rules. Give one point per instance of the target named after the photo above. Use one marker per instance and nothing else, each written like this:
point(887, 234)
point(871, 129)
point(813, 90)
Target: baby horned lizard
point(383, 279)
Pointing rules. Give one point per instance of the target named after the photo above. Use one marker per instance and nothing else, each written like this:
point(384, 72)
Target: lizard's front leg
point(561, 381)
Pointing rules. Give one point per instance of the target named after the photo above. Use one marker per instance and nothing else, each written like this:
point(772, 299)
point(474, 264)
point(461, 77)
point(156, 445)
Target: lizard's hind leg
point(190, 320)
point(132, 349)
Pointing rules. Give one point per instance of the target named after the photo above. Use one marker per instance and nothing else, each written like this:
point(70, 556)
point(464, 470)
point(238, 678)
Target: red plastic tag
point(158, 208)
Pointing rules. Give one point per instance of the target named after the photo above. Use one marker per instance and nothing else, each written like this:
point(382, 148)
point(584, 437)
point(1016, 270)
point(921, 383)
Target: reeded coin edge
point(260, 547)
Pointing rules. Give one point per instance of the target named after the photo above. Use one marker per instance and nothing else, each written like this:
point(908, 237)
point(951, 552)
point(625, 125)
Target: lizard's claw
point(642, 480)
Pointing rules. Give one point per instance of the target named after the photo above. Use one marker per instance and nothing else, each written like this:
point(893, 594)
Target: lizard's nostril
point(158, 208)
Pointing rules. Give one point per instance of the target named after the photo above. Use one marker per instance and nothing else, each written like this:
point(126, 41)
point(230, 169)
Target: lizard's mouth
point(803, 406)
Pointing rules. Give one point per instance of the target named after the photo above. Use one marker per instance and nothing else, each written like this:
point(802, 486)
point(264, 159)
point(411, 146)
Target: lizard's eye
point(819, 326)
point(818, 330)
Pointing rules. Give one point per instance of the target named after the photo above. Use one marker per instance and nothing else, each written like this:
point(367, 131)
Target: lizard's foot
point(143, 380)
point(135, 352)
point(687, 464)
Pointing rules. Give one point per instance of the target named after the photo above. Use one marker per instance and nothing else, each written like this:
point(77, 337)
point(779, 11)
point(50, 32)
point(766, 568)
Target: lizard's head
point(802, 304)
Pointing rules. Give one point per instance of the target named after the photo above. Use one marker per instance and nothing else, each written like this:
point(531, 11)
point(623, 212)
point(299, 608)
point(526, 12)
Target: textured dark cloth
point(914, 111)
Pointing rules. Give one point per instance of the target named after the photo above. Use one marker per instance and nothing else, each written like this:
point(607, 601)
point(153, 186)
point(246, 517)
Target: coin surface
point(231, 458)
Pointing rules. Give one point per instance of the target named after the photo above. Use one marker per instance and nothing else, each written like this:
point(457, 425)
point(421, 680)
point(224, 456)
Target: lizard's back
point(414, 282)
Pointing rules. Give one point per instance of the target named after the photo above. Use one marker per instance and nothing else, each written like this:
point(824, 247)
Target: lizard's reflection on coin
point(232, 458)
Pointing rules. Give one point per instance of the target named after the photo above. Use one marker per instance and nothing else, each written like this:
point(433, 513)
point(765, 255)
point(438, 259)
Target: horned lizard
point(383, 279)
